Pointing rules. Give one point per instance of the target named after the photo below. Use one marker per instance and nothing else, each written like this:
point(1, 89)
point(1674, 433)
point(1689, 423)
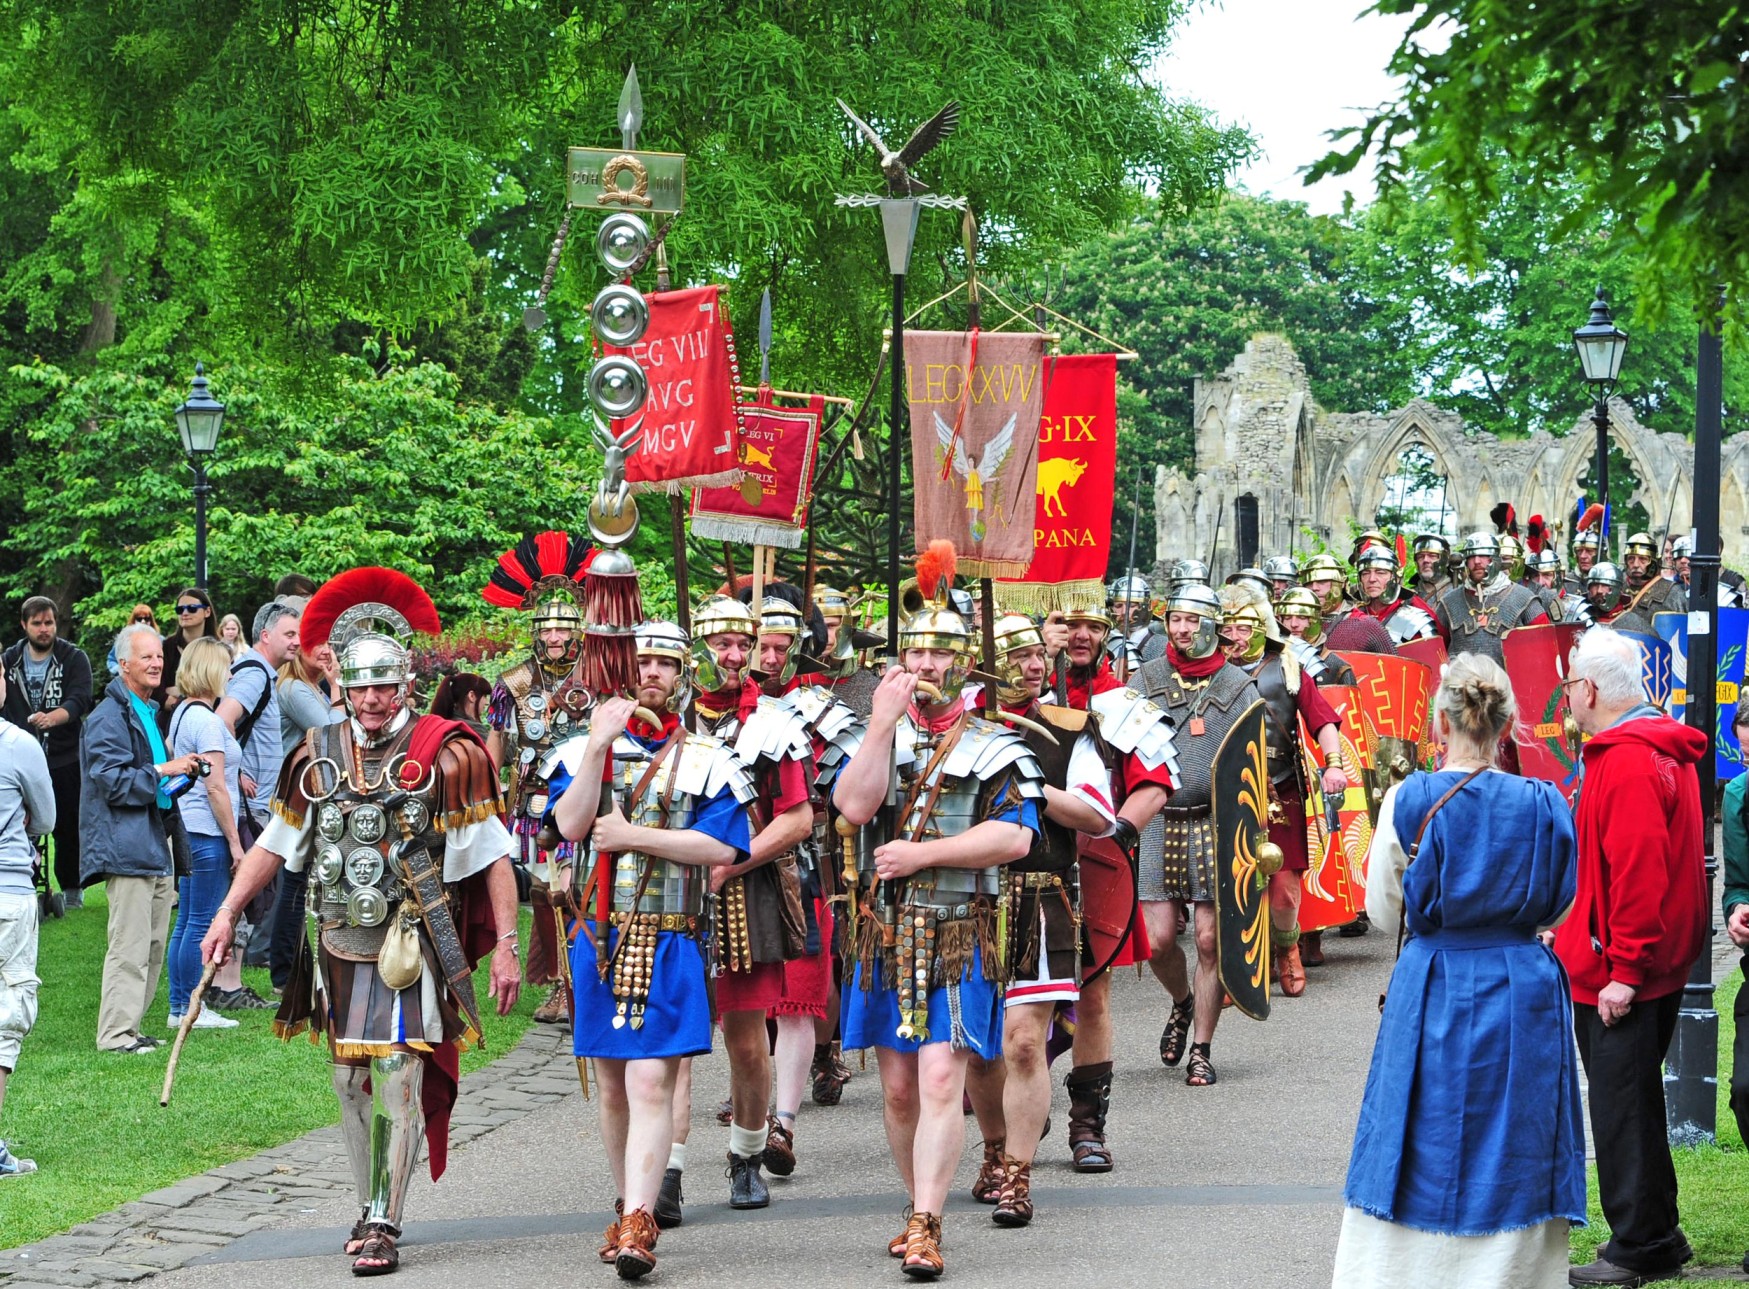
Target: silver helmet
point(1382, 559)
point(1608, 575)
point(1255, 577)
point(1197, 598)
point(1546, 561)
point(1280, 568)
point(1186, 570)
point(1133, 589)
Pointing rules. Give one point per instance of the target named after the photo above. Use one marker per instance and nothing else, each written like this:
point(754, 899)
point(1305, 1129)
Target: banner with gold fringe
point(1077, 476)
point(975, 400)
point(770, 505)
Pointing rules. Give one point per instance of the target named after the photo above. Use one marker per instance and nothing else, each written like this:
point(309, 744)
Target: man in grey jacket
point(27, 809)
point(123, 815)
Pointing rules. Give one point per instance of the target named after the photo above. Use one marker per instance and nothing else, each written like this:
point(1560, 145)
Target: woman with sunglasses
point(194, 619)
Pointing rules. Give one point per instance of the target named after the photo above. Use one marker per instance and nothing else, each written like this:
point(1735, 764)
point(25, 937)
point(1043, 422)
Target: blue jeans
point(199, 898)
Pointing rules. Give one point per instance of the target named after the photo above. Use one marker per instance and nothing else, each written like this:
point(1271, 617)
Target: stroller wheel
point(54, 905)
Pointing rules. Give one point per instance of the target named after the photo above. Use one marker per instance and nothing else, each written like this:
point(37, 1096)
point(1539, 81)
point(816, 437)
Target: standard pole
point(200, 491)
point(1600, 416)
point(1691, 1078)
point(895, 446)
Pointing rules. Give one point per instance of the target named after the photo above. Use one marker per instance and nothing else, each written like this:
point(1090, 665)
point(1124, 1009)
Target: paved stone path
point(1237, 1185)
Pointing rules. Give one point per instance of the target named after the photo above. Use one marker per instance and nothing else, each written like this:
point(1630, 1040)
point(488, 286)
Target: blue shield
point(1733, 637)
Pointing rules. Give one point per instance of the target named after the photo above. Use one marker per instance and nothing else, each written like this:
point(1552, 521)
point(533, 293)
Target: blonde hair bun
point(1476, 697)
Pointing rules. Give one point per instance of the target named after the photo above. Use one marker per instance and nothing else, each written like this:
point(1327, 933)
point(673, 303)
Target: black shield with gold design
point(1243, 855)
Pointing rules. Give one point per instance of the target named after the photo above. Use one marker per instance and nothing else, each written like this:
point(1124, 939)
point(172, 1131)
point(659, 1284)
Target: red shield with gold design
point(1536, 664)
point(1397, 696)
point(1338, 830)
point(1108, 903)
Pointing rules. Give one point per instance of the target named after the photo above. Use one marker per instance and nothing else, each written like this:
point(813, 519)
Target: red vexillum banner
point(691, 420)
point(1077, 475)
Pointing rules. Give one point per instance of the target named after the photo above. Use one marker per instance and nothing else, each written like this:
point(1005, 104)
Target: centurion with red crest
point(396, 819)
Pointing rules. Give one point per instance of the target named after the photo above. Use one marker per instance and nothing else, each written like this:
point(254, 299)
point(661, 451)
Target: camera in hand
point(175, 786)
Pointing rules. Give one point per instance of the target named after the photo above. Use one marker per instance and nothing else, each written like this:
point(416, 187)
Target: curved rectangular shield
point(1536, 664)
point(1338, 830)
point(1240, 805)
point(1108, 903)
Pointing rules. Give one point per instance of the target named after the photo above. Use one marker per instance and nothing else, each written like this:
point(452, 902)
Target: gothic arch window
point(1414, 497)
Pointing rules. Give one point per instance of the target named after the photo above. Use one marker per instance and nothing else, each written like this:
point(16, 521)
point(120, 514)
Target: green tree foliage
point(1637, 103)
point(1186, 294)
point(1491, 337)
point(278, 185)
point(383, 468)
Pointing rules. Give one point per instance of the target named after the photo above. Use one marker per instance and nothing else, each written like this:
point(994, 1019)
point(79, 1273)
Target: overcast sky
point(1290, 70)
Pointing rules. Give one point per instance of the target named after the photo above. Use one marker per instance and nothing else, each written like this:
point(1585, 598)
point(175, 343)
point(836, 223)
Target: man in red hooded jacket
point(1638, 922)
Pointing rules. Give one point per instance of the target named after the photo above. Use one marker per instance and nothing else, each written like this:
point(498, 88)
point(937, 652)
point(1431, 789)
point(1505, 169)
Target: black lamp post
point(1601, 345)
point(198, 421)
point(1691, 1076)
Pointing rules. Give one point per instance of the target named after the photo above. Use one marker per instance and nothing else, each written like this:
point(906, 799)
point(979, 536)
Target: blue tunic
point(966, 1013)
point(1471, 1120)
point(677, 1019)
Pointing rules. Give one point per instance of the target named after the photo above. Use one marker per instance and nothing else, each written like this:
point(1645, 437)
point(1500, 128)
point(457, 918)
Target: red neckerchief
point(655, 736)
point(1195, 668)
point(938, 724)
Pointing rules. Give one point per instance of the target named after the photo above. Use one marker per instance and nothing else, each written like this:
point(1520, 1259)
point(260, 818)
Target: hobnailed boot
point(668, 1200)
point(1015, 1206)
point(747, 1189)
point(1290, 972)
point(556, 1010)
point(1089, 1100)
point(987, 1188)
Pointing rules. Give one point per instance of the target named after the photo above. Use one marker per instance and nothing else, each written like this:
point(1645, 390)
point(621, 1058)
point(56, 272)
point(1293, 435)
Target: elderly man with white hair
point(124, 814)
point(1638, 922)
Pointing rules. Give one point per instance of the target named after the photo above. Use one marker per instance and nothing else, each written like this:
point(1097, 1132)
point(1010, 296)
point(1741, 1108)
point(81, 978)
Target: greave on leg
point(397, 1130)
point(349, 1086)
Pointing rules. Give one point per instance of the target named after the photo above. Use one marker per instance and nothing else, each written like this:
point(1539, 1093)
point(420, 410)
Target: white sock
point(677, 1156)
point(746, 1142)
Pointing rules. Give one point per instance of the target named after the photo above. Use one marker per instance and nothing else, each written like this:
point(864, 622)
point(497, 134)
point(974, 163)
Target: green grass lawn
point(92, 1122)
point(1711, 1180)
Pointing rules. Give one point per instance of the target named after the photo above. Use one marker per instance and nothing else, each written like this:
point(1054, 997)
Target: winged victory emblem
point(977, 471)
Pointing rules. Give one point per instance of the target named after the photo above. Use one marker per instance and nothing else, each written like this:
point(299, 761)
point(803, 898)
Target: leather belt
point(1185, 812)
point(1038, 881)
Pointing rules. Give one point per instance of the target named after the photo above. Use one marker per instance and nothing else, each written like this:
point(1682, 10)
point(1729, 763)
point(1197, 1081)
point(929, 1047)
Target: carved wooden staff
point(188, 1019)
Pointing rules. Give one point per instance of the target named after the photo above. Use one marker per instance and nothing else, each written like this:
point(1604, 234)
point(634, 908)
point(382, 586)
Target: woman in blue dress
point(1469, 1158)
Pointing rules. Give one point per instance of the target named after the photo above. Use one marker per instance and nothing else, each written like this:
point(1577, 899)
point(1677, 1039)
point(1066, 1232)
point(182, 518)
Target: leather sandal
point(355, 1239)
point(377, 1256)
point(1312, 948)
point(609, 1249)
point(780, 1148)
point(923, 1254)
point(1177, 1031)
point(987, 1189)
point(1200, 1071)
point(1015, 1206)
point(898, 1244)
point(636, 1256)
point(726, 1113)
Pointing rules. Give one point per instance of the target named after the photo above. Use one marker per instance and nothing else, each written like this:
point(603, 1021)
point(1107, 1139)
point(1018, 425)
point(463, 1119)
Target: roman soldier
point(1282, 574)
point(852, 683)
point(1379, 595)
point(1430, 551)
point(1136, 637)
point(1137, 738)
point(1545, 576)
point(806, 1012)
point(1290, 695)
point(943, 800)
point(397, 819)
point(1042, 913)
point(1587, 544)
point(1204, 695)
point(1322, 576)
point(1731, 585)
point(1649, 592)
point(1606, 602)
point(537, 704)
point(663, 809)
point(1185, 571)
point(759, 921)
point(1298, 616)
point(1479, 612)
